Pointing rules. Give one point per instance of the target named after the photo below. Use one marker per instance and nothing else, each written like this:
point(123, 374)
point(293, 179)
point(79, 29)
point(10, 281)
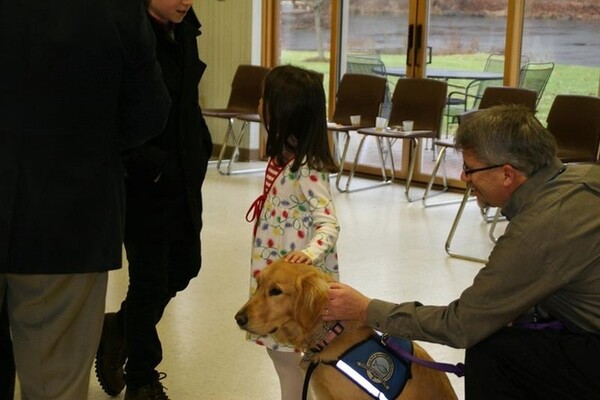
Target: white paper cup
point(355, 120)
point(407, 126)
point(381, 123)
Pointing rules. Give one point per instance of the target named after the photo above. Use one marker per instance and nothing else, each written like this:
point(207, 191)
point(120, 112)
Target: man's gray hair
point(507, 134)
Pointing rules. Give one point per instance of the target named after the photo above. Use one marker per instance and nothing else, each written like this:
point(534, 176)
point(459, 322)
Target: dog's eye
point(275, 291)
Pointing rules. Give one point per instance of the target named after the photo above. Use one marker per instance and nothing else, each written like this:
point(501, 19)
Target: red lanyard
point(271, 174)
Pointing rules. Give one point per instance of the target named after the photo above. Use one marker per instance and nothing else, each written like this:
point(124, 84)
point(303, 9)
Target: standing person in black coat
point(164, 206)
point(79, 82)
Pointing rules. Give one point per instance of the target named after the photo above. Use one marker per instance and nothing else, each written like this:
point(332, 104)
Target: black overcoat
point(78, 83)
point(165, 175)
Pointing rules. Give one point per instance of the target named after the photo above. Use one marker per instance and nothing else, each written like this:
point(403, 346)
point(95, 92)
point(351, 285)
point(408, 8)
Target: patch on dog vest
point(375, 369)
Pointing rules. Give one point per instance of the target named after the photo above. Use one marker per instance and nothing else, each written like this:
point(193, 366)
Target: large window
point(456, 35)
point(466, 38)
point(373, 39)
point(566, 35)
point(305, 35)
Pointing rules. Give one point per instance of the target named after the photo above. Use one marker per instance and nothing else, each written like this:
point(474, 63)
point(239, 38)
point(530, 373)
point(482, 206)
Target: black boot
point(152, 391)
point(111, 357)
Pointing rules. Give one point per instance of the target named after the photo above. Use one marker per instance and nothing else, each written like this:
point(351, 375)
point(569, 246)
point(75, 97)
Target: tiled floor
point(388, 249)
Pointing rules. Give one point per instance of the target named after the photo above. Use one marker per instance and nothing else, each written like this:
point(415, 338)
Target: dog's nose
point(241, 318)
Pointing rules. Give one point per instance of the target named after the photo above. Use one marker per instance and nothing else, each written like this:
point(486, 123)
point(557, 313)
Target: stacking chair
point(574, 121)
point(498, 95)
point(419, 100)
point(357, 94)
point(492, 96)
point(246, 91)
point(371, 64)
point(535, 76)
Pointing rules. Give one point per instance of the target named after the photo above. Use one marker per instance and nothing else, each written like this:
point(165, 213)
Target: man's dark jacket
point(165, 175)
point(78, 83)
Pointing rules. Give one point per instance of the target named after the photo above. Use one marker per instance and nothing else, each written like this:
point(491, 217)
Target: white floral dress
point(295, 212)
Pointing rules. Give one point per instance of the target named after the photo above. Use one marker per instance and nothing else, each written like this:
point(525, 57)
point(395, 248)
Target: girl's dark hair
point(294, 116)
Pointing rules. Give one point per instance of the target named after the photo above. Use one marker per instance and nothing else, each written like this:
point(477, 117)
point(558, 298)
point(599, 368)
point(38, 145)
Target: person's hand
point(297, 257)
point(345, 303)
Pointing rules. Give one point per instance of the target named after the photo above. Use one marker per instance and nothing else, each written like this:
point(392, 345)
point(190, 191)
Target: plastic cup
point(380, 123)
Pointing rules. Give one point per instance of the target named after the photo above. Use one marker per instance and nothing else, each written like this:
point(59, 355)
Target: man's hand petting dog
point(345, 304)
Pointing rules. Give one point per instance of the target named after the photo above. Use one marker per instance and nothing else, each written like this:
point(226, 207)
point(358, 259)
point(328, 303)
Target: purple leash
point(538, 326)
point(458, 369)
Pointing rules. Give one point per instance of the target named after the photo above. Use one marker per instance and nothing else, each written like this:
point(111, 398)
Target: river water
point(562, 41)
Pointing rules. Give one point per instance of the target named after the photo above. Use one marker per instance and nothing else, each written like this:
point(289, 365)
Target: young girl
point(295, 216)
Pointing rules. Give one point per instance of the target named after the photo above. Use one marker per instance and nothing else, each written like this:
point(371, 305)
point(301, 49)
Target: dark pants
point(7, 361)
point(526, 364)
point(157, 271)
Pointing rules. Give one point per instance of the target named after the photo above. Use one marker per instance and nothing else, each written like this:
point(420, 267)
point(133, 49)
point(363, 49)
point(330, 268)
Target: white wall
point(230, 36)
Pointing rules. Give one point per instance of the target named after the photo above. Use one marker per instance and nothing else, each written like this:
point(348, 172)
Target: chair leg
point(235, 154)
point(447, 120)
point(414, 146)
point(382, 158)
point(448, 245)
point(389, 144)
point(497, 217)
point(226, 139)
point(353, 167)
point(439, 162)
point(237, 141)
point(336, 145)
point(385, 180)
point(342, 161)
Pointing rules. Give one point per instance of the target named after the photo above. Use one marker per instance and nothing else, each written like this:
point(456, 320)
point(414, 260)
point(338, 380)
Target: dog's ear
point(311, 298)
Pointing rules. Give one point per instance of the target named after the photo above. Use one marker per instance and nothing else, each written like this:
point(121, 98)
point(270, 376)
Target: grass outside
point(565, 79)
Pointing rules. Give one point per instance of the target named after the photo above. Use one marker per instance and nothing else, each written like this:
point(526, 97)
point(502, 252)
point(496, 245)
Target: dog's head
point(287, 303)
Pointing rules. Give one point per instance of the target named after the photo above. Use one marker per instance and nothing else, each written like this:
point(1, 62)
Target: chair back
point(498, 95)
point(246, 88)
point(370, 64)
point(535, 76)
point(495, 62)
point(359, 94)
point(419, 100)
point(574, 121)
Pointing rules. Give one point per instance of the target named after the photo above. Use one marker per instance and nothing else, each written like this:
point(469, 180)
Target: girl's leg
point(291, 376)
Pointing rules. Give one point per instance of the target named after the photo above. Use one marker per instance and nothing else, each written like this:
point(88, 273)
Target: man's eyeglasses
point(469, 171)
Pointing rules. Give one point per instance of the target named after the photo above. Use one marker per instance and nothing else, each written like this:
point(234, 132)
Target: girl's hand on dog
point(298, 257)
point(345, 303)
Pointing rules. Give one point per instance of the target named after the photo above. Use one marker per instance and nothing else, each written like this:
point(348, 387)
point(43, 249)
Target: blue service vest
point(375, 369)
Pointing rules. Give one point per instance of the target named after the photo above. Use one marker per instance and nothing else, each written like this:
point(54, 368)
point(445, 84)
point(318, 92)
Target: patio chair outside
point(371, 64)
point(469, 98)
point(535, 76)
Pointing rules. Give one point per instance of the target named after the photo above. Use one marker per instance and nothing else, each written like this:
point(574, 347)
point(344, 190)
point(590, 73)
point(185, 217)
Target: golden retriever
point(287, 305)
